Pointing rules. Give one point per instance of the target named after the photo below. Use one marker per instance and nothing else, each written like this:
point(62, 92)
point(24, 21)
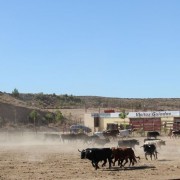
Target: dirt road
point(32, 158)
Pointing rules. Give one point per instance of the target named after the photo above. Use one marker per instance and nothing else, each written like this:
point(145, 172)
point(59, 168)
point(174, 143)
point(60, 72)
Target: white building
point(151, 120)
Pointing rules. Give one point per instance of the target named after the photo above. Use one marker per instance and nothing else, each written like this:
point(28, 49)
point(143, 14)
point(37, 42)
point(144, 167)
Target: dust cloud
point(30, 155)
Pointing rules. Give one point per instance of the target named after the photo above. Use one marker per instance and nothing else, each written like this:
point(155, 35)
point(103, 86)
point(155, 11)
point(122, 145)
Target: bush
point(15, 93)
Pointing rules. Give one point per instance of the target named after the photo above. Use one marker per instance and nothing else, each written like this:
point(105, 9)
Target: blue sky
point(125, 49)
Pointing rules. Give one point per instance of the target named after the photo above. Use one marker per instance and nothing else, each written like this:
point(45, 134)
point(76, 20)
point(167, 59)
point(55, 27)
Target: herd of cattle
point(120, 154)
point(123, 153)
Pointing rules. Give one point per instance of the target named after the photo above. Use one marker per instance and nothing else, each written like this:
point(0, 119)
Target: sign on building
point(152, 114)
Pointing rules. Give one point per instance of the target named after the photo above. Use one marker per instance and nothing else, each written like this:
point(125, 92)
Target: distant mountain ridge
point(19, 107)
point(53, 101)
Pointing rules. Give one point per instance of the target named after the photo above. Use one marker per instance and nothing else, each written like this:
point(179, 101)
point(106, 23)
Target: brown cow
point(124, 153)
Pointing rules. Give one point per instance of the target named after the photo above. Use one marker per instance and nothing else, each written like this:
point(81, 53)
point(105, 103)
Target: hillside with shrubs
point(45, 110)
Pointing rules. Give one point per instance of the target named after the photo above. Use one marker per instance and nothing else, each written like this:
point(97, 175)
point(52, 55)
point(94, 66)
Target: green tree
point(15, 93)
point(49, 117)
point(123, 114)
point(59, 116)
point(33, 115)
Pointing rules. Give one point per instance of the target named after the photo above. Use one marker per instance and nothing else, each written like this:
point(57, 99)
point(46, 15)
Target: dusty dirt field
point(29, 157)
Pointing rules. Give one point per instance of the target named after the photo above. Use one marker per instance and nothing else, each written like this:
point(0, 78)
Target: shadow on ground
point(165, 160)
point(130, 168)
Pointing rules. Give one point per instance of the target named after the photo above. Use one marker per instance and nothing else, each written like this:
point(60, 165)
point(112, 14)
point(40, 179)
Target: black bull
point(150, 149)
point(128, 143)
point(97, 154)
point(153, 134)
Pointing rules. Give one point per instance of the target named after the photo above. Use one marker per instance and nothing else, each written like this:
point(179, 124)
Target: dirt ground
point(30, 157)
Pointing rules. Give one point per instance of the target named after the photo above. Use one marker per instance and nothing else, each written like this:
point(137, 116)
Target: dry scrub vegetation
point(16, 108)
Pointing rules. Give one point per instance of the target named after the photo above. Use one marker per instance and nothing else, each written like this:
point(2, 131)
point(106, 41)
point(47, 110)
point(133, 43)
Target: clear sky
point(109, 48)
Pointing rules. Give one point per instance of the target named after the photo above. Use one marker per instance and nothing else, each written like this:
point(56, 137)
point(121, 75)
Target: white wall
point(89, 121)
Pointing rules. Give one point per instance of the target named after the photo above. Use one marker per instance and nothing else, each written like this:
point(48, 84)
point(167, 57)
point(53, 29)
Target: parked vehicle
point(79, 129)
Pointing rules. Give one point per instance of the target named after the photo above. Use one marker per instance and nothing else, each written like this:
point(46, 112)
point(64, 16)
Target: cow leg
point(156, 154)
point(126, 161)
point(151, 156)
point(96, 165)
point(109, 159)
point(93, 163)
point(115, 159)
point(134, 159)
point(146, 156)
point(120, 162)
point(105, 161)
point(131, 162)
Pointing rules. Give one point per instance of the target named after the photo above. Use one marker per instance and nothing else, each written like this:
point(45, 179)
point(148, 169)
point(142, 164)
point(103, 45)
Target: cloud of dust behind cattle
point(39, 147)
point(35, 147)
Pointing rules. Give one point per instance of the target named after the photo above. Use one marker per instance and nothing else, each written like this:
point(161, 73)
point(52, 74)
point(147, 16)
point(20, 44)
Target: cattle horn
point(79, 150)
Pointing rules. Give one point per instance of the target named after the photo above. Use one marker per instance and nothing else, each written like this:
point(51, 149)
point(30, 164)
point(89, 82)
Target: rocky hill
point(16, 108)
